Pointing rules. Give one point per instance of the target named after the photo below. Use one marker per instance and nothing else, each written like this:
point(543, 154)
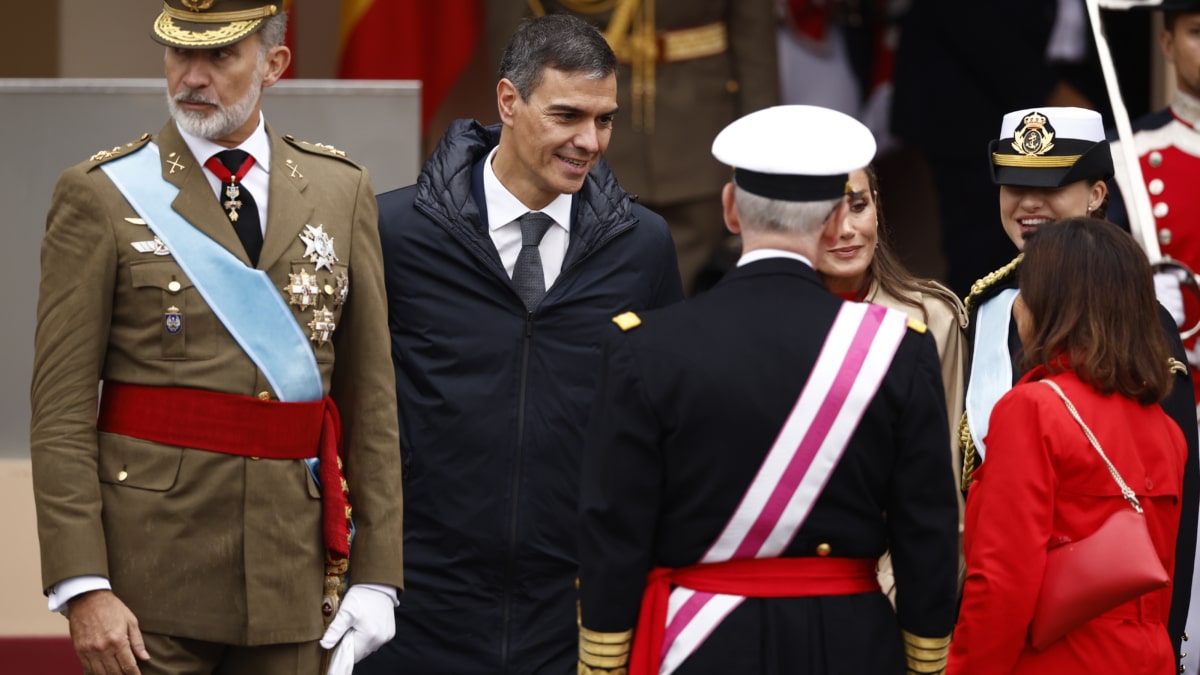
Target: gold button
point(264, 396)
point(256, 458)
point(122, 475)
point(174, 286)
point(824, 549)
point(328, 289)
point(732, 86)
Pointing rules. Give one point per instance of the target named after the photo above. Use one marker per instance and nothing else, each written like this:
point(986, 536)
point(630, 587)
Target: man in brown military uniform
point(208, 276)
point(688, 68)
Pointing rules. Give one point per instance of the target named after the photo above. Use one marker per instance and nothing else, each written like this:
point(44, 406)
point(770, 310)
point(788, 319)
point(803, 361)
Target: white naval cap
point(795, 153)
point(1050, 147)
point(1077, 123)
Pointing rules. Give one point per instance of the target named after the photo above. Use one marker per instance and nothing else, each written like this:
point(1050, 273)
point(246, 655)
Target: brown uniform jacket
point(200, 544)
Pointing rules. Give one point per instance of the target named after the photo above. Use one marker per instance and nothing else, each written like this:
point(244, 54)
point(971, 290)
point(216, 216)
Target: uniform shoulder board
point(917, 326)
point(981, 286)
point(323, 149)
point(103, 156)
point(627, 321)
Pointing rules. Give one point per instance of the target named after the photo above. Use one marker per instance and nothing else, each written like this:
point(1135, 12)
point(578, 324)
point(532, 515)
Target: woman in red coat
point(1086, 317)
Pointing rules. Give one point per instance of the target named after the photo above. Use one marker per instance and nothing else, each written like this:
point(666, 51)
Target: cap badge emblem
point(198, 5)
point(1035, 136)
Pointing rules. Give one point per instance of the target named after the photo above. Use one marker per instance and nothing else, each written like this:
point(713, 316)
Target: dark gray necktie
point(528, 278)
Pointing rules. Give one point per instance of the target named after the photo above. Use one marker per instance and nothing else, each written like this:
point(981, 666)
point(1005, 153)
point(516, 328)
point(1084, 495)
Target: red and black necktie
point(231, 166)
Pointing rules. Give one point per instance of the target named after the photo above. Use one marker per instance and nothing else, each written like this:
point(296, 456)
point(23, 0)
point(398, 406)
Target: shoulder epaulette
point(322, 149)
point(627, 321)
point(981, 286)
point(917, 326)
point(104, 155)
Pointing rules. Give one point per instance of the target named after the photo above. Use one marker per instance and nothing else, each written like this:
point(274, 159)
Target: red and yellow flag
point(425, 40)
point(290, 38)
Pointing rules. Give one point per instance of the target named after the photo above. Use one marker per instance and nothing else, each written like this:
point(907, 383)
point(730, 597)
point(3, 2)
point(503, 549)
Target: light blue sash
point(991, 364)
point(244, 299)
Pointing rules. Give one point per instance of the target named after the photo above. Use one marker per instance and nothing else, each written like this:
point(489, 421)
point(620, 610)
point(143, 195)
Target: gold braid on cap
point(220, 17)
point(1034, 161)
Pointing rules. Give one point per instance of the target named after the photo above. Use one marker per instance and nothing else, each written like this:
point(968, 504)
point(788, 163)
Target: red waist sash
point(752, 578)
point(239, 425)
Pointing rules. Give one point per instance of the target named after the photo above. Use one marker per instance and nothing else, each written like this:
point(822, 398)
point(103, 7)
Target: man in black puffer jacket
point(495, 371)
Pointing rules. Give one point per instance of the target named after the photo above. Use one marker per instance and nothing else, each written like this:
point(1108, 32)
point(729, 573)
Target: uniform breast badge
point(322, 326)
point(173, 320)
point(319, 247)
point(302, 290)
point(154, 246)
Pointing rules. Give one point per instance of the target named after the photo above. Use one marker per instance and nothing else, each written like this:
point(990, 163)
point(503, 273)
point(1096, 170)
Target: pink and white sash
point(853, 362)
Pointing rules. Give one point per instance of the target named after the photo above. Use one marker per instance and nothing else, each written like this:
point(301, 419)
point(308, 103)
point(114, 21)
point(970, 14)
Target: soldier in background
point(1167, 145)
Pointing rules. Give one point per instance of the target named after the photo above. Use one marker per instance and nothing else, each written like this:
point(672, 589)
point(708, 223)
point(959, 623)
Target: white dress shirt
point(503, 209)
point(257, 180)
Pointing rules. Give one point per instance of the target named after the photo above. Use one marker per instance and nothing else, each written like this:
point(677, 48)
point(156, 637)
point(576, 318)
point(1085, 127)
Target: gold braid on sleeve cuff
point(604, 653)
point(926, 655)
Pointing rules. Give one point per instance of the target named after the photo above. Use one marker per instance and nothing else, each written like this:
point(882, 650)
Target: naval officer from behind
point(753, 451)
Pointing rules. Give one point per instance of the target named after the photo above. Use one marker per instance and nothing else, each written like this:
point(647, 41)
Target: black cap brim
point(1096, 162)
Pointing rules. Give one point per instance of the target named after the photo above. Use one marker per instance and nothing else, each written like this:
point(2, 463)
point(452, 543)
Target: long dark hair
point(885, 268)
point(1090, 295)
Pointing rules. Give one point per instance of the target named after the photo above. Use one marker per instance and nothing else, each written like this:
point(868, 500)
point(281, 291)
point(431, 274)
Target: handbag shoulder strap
point(1126, 491)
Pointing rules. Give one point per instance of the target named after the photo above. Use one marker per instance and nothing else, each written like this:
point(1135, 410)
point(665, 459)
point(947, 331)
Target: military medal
point(322, 326)
point(302, 290)
point(232, 182)
point(232, 191)
point(173, 320)
point(318, 247)
point(341, 290)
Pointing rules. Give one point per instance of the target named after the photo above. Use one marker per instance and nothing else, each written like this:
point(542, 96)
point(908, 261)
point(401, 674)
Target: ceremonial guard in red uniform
point(1167, 144)
point(224, 284)
point(753, 451)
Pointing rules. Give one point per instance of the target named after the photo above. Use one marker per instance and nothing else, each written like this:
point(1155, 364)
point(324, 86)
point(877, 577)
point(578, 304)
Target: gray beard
point(218, 123)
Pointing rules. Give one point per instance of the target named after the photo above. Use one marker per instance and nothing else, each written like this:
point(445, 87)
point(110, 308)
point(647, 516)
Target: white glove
point(367, 615)
point(1169, 294)
point(342, 662)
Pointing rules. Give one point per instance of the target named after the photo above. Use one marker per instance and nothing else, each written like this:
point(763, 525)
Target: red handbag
point(1086, 578)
